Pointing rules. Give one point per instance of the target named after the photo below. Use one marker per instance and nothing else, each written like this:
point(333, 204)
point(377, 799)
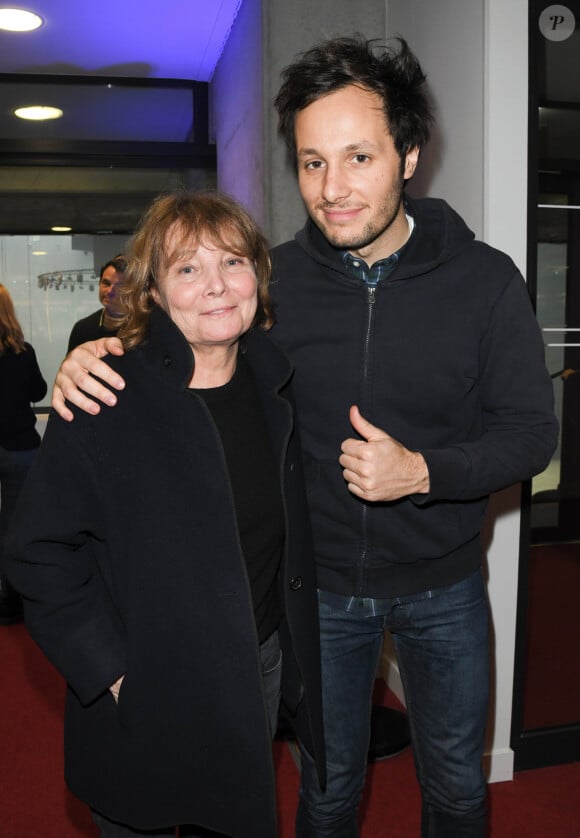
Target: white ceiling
point(179, 39)
point(113, 39)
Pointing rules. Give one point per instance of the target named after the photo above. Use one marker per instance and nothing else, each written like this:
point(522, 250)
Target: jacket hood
point(439, 235)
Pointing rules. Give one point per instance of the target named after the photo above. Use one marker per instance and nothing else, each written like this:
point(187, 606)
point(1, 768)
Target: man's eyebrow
point(358, 146)
point(303, 152)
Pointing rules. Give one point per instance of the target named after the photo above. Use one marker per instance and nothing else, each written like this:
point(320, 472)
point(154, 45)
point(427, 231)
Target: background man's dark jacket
point(89, 328)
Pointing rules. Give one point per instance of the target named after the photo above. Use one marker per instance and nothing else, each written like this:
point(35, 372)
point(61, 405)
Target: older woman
point(163, 548)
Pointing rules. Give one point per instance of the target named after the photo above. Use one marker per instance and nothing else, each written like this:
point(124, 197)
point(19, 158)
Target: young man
point(103, 323)
point(421, 388)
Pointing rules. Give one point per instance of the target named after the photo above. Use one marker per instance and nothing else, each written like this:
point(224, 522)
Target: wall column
point(265, 38)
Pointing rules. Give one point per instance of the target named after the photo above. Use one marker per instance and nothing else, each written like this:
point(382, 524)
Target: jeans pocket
point(271, 659)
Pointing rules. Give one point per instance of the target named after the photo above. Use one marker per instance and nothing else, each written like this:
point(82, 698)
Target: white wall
point(505, 213)
point(475, 55)
point(448, 38)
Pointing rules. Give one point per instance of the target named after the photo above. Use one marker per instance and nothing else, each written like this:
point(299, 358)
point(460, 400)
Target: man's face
point(109, 287)
point(350, 175)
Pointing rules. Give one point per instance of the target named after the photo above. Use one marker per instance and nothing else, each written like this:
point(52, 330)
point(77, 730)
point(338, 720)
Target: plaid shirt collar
point(379, 270)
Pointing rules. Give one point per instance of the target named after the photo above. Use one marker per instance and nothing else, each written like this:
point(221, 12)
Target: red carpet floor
point(35, 804)
point(553, 636)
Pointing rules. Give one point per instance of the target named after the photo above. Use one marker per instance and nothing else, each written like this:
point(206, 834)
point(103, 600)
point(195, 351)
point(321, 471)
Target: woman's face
point(210, 294)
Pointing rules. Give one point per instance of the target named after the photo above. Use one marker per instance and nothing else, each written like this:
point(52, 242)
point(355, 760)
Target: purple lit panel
point(179, 39)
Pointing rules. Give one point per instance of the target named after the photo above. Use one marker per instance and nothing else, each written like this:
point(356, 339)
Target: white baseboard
point(499, 765)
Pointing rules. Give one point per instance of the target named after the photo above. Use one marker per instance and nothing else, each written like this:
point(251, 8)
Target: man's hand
point(76, 374)
point(378, 468)
point(115, 688)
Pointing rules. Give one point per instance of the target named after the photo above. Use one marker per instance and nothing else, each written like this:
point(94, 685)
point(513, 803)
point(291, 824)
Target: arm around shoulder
point(83, 375)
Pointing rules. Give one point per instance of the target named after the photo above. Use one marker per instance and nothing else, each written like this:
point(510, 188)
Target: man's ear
point(411, 160)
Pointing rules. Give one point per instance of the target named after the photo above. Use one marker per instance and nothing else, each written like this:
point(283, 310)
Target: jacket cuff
point(449, 470)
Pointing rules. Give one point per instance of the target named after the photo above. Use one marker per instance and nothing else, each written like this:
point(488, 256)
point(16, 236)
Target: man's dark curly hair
point(394, 74)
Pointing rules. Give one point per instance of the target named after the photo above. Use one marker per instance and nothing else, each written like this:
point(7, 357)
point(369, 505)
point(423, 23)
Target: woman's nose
point(216, 283)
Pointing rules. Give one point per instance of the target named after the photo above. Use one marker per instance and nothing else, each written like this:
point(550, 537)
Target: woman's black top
point(237, 413)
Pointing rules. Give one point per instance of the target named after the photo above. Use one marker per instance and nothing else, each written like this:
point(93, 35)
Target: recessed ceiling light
point(38, 112)
point(61, 229)
point(39, 252)
point(18, 20)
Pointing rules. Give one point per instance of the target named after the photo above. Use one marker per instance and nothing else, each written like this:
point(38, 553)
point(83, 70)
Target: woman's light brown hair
point(197, 217)
point(11, 336)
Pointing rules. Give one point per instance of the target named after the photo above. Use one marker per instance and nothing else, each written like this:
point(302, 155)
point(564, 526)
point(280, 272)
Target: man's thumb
point(362, 427)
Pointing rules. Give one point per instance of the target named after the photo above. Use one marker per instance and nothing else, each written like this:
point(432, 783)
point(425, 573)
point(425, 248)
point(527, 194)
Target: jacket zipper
point(371, 291)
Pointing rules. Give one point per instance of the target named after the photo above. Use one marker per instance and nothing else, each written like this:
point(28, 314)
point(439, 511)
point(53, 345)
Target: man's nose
point(335, 186)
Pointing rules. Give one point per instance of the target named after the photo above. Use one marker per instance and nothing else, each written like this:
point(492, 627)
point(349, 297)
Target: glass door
point(546, 719)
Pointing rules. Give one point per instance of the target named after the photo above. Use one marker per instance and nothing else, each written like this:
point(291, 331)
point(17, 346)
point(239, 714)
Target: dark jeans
point(442, 645)
point(271, 658)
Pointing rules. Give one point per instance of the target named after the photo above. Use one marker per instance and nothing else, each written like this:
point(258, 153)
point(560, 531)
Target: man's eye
point(361, 158)
point(314, 164)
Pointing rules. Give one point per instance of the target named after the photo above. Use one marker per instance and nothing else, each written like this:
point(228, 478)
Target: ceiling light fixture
point(61, 229)
point(38, 112)
point(19, 20)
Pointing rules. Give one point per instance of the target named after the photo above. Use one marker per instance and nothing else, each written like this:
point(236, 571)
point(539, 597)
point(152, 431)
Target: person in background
point(164, 549)
point(420, 388)
point(21, 383)
point(104, 322)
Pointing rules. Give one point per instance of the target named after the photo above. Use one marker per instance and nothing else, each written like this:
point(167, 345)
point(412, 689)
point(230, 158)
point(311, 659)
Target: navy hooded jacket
point(446, 356)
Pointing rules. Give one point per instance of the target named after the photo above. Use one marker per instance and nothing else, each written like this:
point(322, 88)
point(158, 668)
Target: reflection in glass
point(53, 281)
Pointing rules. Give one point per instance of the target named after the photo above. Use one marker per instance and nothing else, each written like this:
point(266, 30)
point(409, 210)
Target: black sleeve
point(54, 558)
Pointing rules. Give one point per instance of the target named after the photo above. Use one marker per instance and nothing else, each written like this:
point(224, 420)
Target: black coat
point(127, 551)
